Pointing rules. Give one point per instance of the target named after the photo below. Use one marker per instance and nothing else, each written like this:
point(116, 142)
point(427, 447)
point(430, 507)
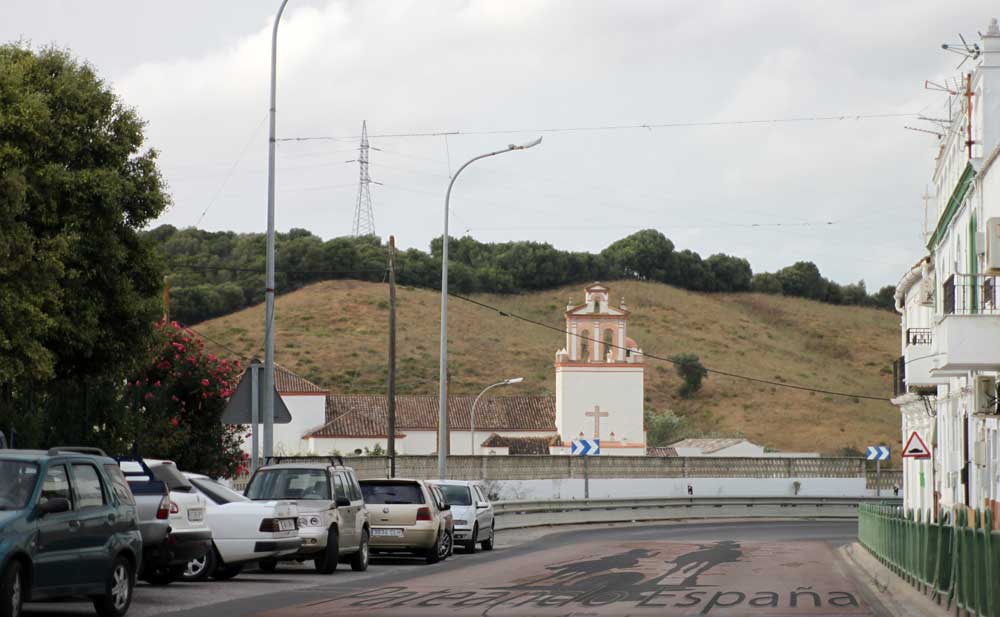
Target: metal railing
point(919, 336)
point(971, 294)
point(519, 514)
point(957, 563)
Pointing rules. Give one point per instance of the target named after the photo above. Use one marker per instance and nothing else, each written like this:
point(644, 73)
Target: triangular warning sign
point(915, 447)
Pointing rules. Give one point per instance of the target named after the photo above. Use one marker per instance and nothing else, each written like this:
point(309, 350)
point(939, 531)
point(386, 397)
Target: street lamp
point(472, 416)
point(268, 385)
point(443, 373)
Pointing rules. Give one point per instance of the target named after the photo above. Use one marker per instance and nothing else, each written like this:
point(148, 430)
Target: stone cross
point(597, 414)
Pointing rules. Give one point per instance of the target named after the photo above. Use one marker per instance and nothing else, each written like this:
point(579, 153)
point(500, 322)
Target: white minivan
point(472, 511)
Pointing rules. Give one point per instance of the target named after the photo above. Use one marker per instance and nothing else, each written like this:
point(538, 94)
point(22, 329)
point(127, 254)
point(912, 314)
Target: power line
point(232, 169)
point(615, 127)
point(504, 313)
point(280, 271)
point(212, 340)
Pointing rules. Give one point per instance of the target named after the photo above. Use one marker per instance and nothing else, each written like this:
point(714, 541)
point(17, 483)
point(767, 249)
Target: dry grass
point(334, 333)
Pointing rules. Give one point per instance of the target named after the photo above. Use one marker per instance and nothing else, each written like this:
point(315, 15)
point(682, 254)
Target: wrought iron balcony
point(919, 336)
point(971, 294)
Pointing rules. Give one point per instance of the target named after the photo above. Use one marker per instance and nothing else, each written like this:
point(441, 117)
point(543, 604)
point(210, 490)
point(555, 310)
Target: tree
point(178, 400)
point(664, 428)
point(646, 255)
point(690, 369)
point(79, 284)
point(885, 298)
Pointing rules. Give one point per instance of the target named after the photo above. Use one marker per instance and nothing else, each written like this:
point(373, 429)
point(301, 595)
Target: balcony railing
point(971, 294)
point(919, 336)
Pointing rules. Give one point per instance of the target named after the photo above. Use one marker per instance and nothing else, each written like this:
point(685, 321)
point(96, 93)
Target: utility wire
point(212, 340)
point(614, 127)
point(280, 271)
point(232, 169)
point(503, 313)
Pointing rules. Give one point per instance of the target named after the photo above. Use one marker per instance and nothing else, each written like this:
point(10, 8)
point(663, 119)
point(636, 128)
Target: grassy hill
point(334, 333)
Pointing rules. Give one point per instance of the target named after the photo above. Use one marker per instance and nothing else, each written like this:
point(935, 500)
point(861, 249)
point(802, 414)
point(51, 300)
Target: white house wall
point(617, 390)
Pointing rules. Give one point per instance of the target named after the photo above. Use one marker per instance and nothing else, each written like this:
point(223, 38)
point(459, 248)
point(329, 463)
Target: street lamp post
point(443, 372)
point(472, 415)
point(268, 385)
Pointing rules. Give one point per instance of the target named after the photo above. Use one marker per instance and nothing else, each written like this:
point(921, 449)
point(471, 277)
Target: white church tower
point(599, 377)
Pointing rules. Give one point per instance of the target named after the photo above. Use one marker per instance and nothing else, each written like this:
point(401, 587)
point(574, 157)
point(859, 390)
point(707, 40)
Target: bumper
point(412, 539)
point(178, 549)
point(281, 546)
point(311, 540)
point(463, 534)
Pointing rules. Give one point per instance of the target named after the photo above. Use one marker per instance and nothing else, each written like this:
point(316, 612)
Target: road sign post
point(586, 448)
point(878, 454)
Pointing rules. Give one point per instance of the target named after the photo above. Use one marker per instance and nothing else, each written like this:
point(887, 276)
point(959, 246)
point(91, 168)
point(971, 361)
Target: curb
point(896, 595)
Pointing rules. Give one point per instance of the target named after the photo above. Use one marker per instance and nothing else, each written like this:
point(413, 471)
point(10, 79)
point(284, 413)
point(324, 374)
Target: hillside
point(334, 333)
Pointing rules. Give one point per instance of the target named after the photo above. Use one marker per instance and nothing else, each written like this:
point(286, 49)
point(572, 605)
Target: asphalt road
point(733, 568)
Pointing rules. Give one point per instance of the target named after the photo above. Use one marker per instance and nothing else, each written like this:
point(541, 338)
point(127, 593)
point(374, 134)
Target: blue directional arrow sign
point(585, 447)
point(878, 453)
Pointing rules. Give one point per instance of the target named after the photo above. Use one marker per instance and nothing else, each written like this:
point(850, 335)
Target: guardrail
point(518, 514)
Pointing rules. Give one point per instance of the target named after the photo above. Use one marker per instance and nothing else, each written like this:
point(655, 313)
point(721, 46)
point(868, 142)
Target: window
point(87, 486)
point(352, 484)
point(585, 346)
point(392, 493)
point(218, 493)
point(56, 485)
point(17, 484)
point(119, 485)
point(456, 495)
point(482, 494)
point(289, 484)
point(609, 341)
point(339, 490)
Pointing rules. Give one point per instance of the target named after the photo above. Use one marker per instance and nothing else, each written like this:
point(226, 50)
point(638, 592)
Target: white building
point(946, 379)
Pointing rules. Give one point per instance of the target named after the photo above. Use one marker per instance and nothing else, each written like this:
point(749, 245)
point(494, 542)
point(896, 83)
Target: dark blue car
point(68, 527)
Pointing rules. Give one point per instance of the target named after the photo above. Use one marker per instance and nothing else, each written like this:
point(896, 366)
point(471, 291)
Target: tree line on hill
point(215, 273)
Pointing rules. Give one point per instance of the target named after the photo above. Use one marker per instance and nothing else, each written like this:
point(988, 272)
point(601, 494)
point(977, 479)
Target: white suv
point(472, 511)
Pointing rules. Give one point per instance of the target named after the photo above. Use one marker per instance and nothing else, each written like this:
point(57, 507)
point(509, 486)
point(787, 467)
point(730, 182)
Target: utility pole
point(364, 216)
point(391, 396)
point(166, 298)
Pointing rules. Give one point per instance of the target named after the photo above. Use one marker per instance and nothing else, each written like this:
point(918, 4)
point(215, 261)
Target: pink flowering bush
point(178, 403)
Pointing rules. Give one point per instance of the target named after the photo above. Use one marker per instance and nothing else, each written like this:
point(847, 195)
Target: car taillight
point(163, 511)
point(269, 525)
point(174, 508)
point(424, 514)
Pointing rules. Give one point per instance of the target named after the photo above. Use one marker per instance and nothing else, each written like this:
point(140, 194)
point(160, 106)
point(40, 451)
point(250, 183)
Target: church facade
point(599, 394)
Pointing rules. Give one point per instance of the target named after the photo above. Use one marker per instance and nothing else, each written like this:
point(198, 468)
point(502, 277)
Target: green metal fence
point(955, 559)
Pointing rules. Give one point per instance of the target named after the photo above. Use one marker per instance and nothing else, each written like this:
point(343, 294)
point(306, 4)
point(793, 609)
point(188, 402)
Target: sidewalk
point(895, 594)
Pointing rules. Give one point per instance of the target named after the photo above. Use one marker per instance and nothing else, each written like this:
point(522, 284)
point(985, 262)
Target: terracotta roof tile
point(287, 382)
point(365, 415)
point(708, 445)
point(522, 445)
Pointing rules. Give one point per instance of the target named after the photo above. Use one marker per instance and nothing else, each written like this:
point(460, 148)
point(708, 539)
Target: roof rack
point(333, 459)
point(76, 450)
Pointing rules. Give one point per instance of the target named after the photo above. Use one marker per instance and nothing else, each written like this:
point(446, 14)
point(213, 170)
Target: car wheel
point(224, 572)
point(359, 561)
point(470, 546)
point(433, 554)
point(118, 590)
point(201, 568)
point(268, 565)
point(163, 576)
point(327, 562)
point(488, 544)
point(12, 588)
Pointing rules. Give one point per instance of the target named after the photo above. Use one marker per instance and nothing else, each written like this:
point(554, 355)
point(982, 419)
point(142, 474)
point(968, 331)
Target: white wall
point(677, 487)
point(308, 413)
point(415, 442)
point(617, 390)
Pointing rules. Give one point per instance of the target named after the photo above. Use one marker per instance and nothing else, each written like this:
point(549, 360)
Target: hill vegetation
point(335, 333)
point(214, 273)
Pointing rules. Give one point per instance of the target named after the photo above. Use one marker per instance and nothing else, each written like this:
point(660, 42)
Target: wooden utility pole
point(391, 395)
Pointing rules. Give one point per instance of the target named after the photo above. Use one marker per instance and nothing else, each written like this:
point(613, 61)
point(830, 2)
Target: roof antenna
point(965, 50)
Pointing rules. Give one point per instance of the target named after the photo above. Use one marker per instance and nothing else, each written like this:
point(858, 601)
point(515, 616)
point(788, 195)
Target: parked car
point(242, 530)
point(69, 526)
point(407, 517)
point(172, 517)
point(333, 519)
point(473, 512)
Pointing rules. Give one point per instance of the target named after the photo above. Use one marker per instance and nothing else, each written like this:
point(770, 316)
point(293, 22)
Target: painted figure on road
point(694, 564)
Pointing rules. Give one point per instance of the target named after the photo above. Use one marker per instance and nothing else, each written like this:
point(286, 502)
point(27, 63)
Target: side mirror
point(342, 502)
point(53, 506)
point(482, 505)
point(446, 506)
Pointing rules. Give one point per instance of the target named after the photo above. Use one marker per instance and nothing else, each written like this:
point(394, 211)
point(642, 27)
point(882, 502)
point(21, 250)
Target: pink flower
point(156, 384)
point(175, 421)
point(204, 382)
point(148, 396)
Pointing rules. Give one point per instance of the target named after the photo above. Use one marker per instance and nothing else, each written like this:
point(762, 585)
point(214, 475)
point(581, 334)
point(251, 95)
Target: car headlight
point(459, 521)
point(310, 521)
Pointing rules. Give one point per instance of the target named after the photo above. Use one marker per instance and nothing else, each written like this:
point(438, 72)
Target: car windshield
point(456, 495)
point(289, 484)
point(392, 493)
point(168, 474)
point(17, 483)
point(215, 491)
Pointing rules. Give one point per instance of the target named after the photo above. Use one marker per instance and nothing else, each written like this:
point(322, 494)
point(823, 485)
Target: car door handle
point(73, 525)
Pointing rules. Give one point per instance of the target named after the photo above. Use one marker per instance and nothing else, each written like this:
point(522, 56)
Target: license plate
point(387, 533)
point(286, 524)
point(196, 515)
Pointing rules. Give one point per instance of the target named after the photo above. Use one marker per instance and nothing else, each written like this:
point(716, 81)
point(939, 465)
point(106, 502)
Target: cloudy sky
point(843, 193)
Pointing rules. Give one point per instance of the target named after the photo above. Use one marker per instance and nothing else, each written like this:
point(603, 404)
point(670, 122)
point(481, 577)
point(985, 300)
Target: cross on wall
point(596, 414)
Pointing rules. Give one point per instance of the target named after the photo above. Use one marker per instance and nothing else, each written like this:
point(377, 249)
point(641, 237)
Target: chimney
point(991, 45)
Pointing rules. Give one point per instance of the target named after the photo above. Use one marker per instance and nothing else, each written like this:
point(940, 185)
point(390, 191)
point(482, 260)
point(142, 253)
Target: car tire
point(118, 590)
point(226, 572)
point(12, 591)
point(268, 565)
point(470, 546)
point(164, 576)
point(359, 560)
point(433, 554)
point(488, 544)
point(201, 568)
point(326, 563)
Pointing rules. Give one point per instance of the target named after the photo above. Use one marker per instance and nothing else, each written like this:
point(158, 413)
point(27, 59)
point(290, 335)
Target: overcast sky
point(197, 71)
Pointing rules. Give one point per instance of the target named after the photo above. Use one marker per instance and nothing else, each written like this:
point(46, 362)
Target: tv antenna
point(964, 49)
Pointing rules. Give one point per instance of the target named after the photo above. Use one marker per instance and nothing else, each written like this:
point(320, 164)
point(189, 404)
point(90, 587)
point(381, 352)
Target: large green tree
point(78, 282)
